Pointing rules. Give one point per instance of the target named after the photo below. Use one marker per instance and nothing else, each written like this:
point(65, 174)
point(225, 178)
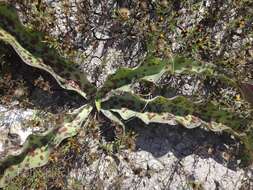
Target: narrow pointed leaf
point(33, 42)
point(126, 76)
point(179, 106)
point(188, 121)
point(113, 118)
point(151, 70)
point(30, 60)
point(37, 148)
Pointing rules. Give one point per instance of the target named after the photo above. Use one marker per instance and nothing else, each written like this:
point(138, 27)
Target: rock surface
point(169, 158)
point(16, 124)
point(13, 134)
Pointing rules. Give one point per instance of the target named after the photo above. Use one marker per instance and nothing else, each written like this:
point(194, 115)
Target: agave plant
point(117, 101)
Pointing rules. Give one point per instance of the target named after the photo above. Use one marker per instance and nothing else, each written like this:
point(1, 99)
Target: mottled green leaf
point(36, 150)
point(151, 70)
point(125, 76)
point(179, 106)
point(113, 118)
point(188, 121)
point(32, 42)
point(30, 60)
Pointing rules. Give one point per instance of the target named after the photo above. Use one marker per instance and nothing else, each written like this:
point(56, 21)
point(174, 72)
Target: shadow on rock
point(163, 140)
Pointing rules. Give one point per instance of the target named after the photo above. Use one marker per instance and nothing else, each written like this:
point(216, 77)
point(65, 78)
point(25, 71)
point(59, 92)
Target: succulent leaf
point(31, 60)
point(151, 70)
point(29, 43)
point(179, 106)
point(188, 121)
point(37, 148)
point(109, 114)
point(125, 76)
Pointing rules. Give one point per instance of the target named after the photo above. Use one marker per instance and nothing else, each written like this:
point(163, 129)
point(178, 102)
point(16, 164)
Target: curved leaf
point(113, 118)
point(179, 106)
point(152, 70)
point(125, 76)
point(30, 60)
point(32, 42)
point(37, 148)
point(188, 121)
